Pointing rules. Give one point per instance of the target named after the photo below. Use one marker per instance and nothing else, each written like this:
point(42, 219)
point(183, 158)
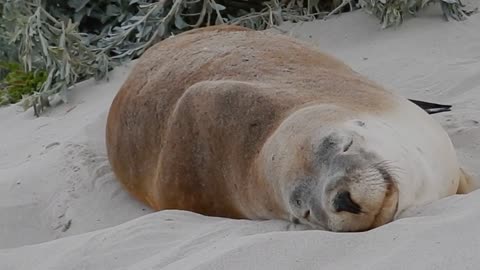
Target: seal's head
point(348, 188)
point(332, 176)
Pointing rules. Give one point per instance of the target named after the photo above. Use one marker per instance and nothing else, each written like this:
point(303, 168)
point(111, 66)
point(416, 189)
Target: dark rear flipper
point(431, 108)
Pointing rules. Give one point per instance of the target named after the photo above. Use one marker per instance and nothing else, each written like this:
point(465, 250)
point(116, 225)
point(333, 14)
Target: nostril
point(343, 202)
point(306, 215)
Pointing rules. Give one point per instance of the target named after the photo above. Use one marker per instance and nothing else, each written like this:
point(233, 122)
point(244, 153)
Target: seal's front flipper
point(431, 108)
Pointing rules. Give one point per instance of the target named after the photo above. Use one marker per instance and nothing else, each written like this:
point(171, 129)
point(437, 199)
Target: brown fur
point(186, 128)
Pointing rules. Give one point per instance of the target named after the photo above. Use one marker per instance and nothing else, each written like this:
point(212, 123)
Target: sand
point(61, 208)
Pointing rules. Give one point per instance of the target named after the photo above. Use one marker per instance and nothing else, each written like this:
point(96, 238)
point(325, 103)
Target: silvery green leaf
point(145, 6)
point(179, 22)
point(133, 2)
point(77, 4)
point(424, 2)
point(89, 11)
point(450, 1)
point(148, 29)
point(219, 20)
point(217, 6)
point(44, 44)
point(113, 10)
point(62, 40)
point(136, 18)
point(67, 69)
point(411, 4)
point(161, 31)
point(121, 17)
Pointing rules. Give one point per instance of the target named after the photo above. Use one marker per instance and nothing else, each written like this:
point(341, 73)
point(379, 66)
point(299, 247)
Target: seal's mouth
point(305, 217)
point(307, 221)
point(389, 206)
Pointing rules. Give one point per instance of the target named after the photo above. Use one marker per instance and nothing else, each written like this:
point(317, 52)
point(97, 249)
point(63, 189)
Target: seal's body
point(231, 122)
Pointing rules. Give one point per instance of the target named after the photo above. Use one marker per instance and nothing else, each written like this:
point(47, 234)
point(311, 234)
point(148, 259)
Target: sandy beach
point(61, 207)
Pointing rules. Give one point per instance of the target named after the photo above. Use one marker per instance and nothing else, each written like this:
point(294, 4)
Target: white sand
point(54, 170)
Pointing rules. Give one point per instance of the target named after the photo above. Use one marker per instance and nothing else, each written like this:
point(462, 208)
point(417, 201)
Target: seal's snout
point(360, 194)
point(343, 202)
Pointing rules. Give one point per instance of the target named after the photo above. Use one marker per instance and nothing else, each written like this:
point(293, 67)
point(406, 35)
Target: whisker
point(389, 166)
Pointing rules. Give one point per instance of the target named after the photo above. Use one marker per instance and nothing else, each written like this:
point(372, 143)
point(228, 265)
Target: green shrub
point(18, 83)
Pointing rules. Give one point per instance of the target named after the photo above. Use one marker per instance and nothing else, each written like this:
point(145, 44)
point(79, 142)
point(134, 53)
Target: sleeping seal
point(231, 122)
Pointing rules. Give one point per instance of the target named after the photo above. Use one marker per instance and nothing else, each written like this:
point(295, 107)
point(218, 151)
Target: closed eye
point(345, 149)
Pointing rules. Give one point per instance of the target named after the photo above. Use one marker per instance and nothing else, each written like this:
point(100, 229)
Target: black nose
point(343, 202)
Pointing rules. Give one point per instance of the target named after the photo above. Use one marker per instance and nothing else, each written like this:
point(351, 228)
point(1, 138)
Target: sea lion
point(230, 122)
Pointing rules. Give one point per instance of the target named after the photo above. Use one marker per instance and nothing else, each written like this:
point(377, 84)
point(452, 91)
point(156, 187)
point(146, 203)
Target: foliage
point(46, 43)
point(18, 83)
point(114, 31)
point(74, 40)
point(8, 51)
point(392, 12)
